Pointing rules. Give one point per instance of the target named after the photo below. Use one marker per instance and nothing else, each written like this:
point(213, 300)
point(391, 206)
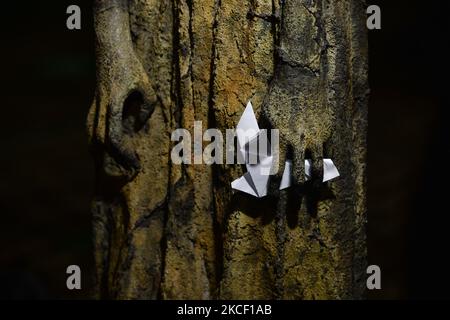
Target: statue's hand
point(294, 107)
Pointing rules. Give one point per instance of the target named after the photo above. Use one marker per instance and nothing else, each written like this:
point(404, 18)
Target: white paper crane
point(256, 180)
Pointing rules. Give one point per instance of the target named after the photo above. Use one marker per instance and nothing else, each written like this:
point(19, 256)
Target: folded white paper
point(256, 181)
point(308, 169)
point(329, 170)
point(286, 179)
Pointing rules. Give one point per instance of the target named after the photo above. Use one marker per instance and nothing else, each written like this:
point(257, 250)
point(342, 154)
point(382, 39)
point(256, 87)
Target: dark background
point(46, 173)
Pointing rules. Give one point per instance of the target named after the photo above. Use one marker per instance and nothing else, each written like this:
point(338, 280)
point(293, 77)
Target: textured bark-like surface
point(178, 231)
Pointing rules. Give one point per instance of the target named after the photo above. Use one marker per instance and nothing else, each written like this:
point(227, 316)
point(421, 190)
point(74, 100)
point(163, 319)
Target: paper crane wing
point(244, 184)
point(329, 170)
